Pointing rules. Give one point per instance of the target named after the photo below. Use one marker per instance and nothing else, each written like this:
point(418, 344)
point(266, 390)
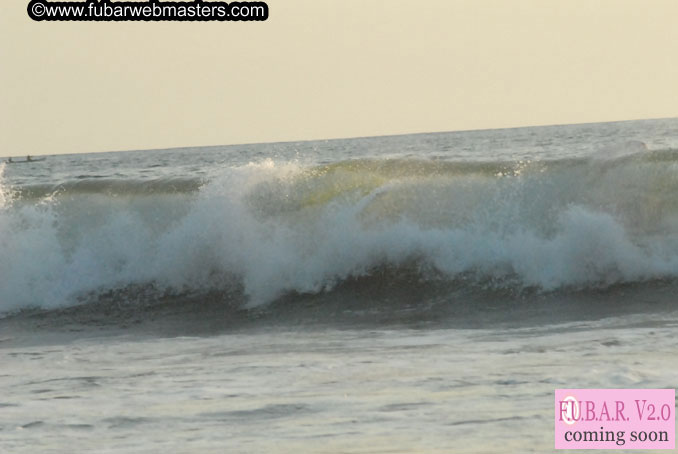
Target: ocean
point(417, 293)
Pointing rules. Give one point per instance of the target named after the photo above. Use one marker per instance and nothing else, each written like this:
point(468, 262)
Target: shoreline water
point(348, 390)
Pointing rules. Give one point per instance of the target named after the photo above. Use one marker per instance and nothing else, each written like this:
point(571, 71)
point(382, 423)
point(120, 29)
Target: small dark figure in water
point(9, 160)
point(28, 158)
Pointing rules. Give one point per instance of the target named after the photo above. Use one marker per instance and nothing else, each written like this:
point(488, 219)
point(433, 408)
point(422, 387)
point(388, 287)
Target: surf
point(275, 228)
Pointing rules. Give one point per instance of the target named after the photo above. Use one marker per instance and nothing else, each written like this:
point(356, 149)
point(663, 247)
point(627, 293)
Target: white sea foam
point(281, 227)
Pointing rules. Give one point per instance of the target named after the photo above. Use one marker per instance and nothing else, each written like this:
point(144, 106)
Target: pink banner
point(615, 418)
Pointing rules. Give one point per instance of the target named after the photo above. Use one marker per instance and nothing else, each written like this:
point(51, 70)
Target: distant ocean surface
point(417, 293)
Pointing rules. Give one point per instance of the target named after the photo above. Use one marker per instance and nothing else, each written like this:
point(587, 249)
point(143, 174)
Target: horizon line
point(355, 137)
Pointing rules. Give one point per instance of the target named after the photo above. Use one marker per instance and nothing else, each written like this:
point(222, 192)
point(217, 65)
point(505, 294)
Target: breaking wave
point(277, 228)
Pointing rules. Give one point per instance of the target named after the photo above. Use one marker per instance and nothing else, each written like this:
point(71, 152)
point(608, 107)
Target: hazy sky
point(333, 68)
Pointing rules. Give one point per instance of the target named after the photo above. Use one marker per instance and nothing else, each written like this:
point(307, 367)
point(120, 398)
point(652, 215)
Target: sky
point(320, 69)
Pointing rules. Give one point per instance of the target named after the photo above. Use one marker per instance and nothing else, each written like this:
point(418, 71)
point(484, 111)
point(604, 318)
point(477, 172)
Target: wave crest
point(275, 228)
